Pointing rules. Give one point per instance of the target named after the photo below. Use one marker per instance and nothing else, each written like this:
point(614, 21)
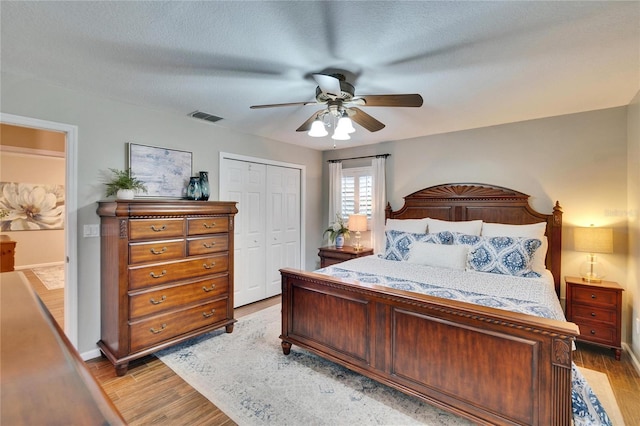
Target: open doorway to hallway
point(38, 157)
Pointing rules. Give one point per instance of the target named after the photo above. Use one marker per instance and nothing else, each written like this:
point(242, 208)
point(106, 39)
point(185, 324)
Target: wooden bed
point(488, 365)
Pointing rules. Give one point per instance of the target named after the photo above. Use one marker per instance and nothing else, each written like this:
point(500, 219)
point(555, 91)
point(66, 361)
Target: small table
point(331, 255)
point(597, 309)
point(8, 249)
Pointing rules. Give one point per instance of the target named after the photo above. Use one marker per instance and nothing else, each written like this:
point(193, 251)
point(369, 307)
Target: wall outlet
point(91, 231)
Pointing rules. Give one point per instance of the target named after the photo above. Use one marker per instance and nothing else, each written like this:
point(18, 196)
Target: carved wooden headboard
point(473, 201)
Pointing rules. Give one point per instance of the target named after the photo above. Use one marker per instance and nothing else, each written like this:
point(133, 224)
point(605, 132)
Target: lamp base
point(591, 279)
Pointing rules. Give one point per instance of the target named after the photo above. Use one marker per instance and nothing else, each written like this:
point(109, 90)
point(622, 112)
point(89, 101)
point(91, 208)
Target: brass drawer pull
point(162, 228)
point(213, 286)
point(157, 302)
point(207, 314)
point(207, 245)
point(154, 331)
point(213, 225)
point(153, 274)
point(205, 266)
point(154, 251)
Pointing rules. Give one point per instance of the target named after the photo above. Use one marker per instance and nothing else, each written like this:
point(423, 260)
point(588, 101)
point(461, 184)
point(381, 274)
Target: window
point(357, 190)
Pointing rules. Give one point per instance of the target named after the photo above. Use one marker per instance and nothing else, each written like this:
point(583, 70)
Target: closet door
point(245, 183)
point(282, 224)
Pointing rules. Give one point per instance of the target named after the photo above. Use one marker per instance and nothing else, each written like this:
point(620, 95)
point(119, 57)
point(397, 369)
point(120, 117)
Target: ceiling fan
point(339, 97)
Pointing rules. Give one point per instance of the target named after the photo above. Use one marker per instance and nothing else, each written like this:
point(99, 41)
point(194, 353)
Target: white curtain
point(379, 204)
point(335, 190)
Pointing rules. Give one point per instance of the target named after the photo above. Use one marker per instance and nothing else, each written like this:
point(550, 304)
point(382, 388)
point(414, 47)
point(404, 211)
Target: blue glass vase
point(193, 189)
point(204, 185)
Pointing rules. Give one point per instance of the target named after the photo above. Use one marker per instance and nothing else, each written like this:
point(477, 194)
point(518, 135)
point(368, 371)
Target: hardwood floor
point(151, 392)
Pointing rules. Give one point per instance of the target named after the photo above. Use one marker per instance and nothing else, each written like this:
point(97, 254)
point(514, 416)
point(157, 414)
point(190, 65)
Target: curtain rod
point(358, 158)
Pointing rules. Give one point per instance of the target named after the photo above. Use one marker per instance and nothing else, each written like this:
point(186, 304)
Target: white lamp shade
point(593, 240)
point(345, 125)
point(340, 136)
point(357, 223)
point(317, 129)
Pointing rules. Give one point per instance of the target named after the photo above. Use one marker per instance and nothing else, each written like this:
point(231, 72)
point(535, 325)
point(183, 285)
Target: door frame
point(303, 176)
point(71, 214)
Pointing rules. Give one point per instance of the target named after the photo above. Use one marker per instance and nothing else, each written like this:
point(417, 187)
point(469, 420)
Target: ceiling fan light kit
point(341, 108)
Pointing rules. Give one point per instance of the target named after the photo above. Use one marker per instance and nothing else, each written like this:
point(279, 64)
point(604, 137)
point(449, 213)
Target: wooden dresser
point(8, 249)
point(44, 380)
point(166, 274)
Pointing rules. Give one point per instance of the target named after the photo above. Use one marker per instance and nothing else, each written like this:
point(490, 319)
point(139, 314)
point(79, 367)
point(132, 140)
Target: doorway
point(70, 133)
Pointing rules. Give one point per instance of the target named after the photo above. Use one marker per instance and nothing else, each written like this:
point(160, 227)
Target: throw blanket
point(532, 296)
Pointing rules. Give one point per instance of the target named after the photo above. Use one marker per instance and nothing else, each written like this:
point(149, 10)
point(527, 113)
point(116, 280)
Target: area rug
point(246, 375)
point(51, 276)
point(601, 386)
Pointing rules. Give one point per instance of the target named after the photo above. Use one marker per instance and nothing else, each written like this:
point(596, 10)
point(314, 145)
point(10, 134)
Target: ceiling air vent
point(204, 116)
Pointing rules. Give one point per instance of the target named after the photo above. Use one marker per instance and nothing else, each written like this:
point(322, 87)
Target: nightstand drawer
point(597, 333)
point(594, 296)
point(591, 314)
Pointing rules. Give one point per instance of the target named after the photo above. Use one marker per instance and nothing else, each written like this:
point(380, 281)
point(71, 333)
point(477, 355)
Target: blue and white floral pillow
point(398, 242)
point(500, 255)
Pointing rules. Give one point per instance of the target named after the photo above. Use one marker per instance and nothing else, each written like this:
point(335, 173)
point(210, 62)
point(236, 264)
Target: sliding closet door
point(268, 225)
point(245, 184)
point(283, 224)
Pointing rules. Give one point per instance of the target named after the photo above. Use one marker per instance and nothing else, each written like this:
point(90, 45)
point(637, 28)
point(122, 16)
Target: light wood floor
point(151, 392)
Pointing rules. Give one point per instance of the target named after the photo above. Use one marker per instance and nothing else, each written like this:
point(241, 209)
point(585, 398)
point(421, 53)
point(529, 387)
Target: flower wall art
point(31, 207)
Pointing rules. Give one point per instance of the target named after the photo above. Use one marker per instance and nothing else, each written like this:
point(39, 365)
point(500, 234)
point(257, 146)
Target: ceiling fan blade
point(364, 119)
point(409, 100)
point(329, 84)
point(306, 126)
point(282, 105)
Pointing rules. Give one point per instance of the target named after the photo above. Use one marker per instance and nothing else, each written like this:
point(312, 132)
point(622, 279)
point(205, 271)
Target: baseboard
point(634, 360)
point(38, 265)
point(94, 353)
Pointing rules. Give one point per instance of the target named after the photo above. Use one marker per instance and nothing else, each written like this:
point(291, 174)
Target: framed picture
point(165, 172)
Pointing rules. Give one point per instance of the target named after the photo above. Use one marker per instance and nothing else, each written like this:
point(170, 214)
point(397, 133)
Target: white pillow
point(415, 226)
point(534, 230)
point(440, 255)
point(469, 227)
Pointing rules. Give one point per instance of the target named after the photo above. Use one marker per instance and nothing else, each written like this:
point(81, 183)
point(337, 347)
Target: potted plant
point(337, 232)
point(124, 184)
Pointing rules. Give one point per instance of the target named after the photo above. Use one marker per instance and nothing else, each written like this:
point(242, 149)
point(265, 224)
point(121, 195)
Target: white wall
point(579, 160)
point(633, 215)
point(104, 127)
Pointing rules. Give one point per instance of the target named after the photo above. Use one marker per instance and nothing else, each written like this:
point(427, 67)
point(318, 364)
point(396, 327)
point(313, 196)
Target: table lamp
point(357, 223)
point(593, 240)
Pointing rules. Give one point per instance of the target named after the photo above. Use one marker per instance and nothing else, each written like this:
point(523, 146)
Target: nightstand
point(331, 255)
point(597, 310)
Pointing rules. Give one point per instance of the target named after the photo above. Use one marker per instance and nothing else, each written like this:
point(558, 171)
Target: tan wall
point(40, 247)
point(633, 215)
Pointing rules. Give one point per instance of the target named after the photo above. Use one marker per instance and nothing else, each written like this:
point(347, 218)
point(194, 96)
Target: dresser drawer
point(140, 229)
point(149, 332)
point(163, 273)
point(597, 333)
point(208, 225)
point(594, 296)
point(156, 301)
point(156, 251)
point(592, 314)
point(206, 245)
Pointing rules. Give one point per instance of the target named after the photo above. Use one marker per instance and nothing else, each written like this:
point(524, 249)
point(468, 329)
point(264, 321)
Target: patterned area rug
point(246, 375)
point(51, 276)
point(601, 386)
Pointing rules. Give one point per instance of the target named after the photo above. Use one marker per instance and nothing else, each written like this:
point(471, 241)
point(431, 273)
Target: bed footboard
point(488, 365)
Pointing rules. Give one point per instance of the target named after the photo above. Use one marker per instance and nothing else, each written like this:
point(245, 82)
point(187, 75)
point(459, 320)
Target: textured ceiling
point(475, 63)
